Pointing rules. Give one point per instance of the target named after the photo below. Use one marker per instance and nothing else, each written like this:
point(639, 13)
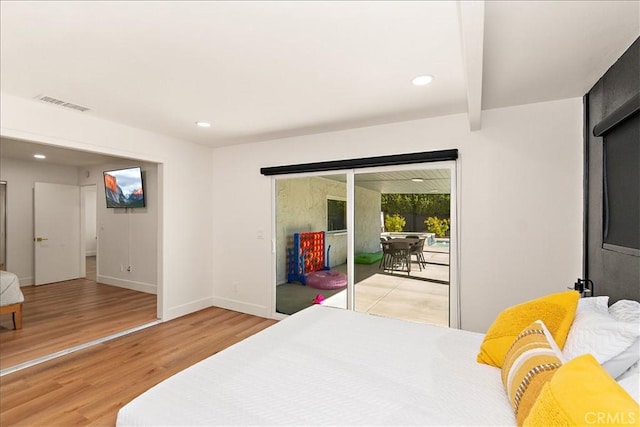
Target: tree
point(437, 226)
point(394, 203)
point(394, 223)
point(415, 207)
point(438, 205)
point(417, 204)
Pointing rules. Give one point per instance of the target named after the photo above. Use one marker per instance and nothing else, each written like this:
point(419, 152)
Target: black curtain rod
point(364, 162)
point(626, 110)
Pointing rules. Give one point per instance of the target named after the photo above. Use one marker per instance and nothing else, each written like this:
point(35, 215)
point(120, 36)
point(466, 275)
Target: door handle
point(40, 239)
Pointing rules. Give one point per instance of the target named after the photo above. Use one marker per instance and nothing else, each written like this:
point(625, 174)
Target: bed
point(11, 297)
point(328, 366)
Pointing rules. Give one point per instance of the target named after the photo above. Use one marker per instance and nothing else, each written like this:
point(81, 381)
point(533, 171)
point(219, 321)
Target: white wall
point(20, 177)
point(129, 239)
point(126, 238)
point(520, 202)
point(184, 196)
point(368, 204)
point(301, 206)
point(520, 207)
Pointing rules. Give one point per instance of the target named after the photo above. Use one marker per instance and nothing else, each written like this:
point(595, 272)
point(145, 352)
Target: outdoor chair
point(383, 245)
point(417, 249)
point(397, 255)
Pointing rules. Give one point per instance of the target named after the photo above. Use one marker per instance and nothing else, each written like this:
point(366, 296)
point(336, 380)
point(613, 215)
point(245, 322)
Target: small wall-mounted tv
point(124, 188)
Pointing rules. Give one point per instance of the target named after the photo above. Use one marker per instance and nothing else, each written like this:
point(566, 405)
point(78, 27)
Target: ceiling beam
point(471, 18)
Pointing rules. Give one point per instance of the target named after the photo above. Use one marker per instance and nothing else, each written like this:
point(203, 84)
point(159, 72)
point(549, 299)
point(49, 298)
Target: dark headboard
point(612, 102)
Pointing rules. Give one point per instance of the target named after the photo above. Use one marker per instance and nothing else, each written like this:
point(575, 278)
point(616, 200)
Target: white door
point(57, 232)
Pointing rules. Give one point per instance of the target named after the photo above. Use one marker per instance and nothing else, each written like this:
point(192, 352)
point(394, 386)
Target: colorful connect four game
point(306, 256)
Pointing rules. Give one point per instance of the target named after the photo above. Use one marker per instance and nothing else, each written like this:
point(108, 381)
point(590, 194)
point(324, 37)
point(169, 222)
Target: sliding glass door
point(390, 241)
point(402, 242)
point(311, 241)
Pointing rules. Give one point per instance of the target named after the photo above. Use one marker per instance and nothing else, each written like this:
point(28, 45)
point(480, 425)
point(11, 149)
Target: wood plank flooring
point(90, 386)
point(66, 314)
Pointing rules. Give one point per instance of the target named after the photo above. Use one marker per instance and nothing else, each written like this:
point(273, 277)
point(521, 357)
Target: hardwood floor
point(91, 268)
point(90, 386)
point(62, 315)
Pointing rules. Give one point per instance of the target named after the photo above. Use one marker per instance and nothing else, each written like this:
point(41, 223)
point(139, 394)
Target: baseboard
point(225, 303)
point(128, 284)
point(188, 308)
point(243, 307)
point(26, 281)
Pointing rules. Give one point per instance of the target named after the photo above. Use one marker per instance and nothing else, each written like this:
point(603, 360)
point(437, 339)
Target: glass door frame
point(454, 272)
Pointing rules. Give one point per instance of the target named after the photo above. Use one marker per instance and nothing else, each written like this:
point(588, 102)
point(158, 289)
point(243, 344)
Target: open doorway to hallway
point(109, 297)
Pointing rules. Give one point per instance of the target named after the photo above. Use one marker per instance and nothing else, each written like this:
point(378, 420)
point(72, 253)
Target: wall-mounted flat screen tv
point(124, 188)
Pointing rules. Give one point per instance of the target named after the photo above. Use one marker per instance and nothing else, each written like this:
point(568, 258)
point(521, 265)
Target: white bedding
point(10, 292)
point(327, 366)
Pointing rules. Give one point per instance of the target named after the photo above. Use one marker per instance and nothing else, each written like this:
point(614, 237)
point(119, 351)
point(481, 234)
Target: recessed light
point(39, 156)
point(417, 179)
point(422, 80)
point(203, 124)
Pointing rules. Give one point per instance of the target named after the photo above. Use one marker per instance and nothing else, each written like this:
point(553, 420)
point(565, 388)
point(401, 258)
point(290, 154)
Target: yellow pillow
point(530, 363)
point(556, 310)
point(582, 393)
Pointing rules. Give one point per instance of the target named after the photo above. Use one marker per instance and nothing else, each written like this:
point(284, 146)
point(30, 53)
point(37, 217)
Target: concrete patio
point(421, 295)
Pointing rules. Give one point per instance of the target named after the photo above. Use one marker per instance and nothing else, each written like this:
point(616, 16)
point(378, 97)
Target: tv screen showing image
point(124, 188)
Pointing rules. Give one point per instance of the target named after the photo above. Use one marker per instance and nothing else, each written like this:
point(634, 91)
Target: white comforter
point(10, 292)
point(327, 366)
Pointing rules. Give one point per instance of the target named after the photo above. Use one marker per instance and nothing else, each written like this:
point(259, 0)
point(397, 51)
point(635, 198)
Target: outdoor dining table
point(396, 253)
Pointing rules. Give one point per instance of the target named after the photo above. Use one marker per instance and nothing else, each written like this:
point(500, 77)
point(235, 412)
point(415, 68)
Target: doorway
point(88, 215)
point(304, 205)
point(424, 289)
point(109, 289)
point(408, 282)
point(57, 231)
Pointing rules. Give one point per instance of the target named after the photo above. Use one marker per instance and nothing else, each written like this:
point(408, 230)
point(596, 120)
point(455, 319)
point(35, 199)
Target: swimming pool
point(434, 242)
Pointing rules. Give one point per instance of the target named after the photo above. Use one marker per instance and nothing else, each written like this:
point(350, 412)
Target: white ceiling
point(23, 150)
point(402, 182)
point(261, 70)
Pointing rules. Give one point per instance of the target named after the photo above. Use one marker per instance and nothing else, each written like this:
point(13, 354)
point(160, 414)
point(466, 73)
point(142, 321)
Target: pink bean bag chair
point(326, 279)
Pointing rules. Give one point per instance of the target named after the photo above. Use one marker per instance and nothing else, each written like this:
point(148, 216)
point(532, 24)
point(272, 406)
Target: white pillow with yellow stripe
point(529, 363)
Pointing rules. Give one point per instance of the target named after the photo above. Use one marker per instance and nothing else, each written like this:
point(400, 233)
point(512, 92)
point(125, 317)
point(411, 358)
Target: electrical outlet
point(121, 267)
point(235, 288)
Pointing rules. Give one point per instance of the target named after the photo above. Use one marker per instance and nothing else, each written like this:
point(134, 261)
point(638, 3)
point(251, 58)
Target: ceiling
point(433, 181)
point(24, 151)
point(406, 182)
point(259, 70)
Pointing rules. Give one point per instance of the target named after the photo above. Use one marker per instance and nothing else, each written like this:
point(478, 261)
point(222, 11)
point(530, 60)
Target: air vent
point(66, 104)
